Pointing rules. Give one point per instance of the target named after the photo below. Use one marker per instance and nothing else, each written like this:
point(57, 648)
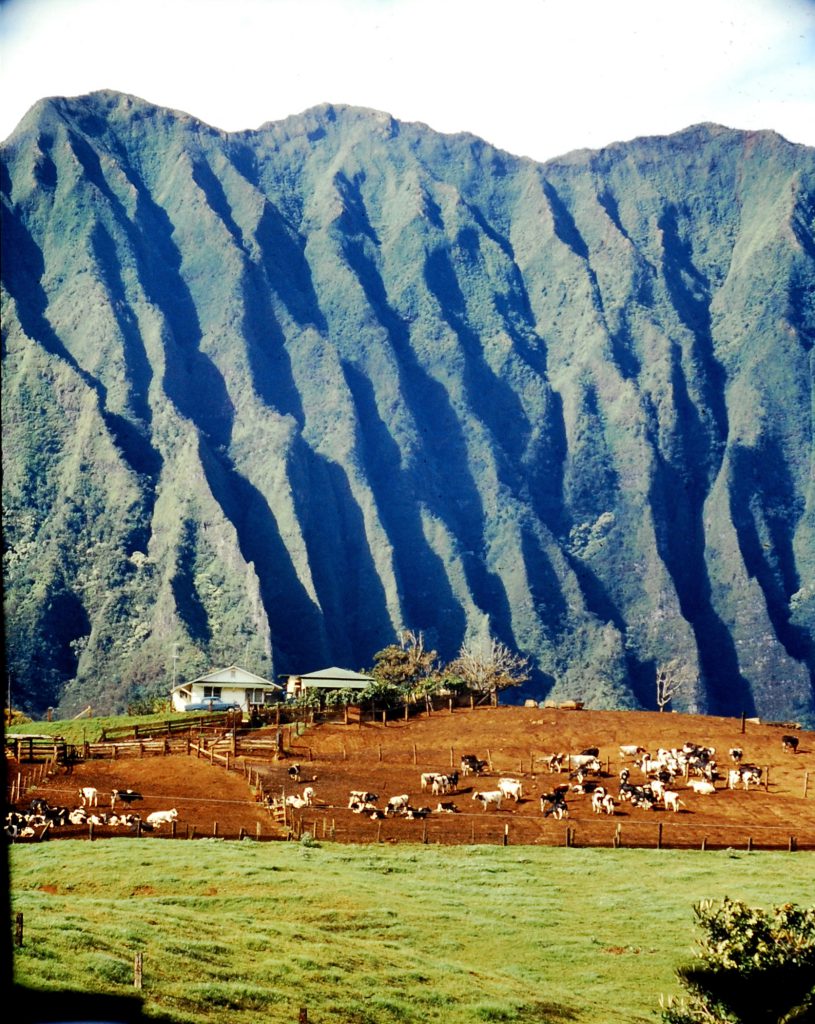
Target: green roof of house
point(336, 679)
point(234, 675)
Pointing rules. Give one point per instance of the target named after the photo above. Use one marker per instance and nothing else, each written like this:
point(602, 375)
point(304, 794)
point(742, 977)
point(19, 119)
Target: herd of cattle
point(39, 817)
point(691, 767)
point(663, 777)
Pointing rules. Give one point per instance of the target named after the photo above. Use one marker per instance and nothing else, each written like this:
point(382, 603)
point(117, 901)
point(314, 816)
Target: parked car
point(213, 704)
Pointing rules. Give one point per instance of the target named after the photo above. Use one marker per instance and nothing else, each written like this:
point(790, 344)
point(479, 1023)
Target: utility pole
point(175, 660)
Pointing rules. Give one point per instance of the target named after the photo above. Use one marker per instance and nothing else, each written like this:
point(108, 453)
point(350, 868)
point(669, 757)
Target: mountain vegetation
point(276, 396)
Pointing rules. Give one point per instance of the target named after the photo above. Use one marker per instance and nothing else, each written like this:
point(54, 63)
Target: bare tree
point(669, 682)
point(487, 666)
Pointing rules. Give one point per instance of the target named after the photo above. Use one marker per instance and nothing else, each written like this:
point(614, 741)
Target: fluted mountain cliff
point(273, 395)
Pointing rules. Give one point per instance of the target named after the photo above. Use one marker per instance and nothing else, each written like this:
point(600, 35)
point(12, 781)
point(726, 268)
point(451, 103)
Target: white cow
point(671, 800)
point(158, 818)
point(511, 788)
point(397, 804)
point(89, 796)
point(489, 798)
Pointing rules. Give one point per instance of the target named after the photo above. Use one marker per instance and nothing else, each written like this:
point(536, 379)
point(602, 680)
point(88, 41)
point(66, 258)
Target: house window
point(212, 691)
point(255, 696)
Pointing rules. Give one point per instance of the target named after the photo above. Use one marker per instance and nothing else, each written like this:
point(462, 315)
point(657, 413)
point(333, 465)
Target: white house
point(327, 679)
point(229, 684)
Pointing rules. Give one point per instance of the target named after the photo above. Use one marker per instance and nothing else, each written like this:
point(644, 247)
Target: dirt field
point(388, 760)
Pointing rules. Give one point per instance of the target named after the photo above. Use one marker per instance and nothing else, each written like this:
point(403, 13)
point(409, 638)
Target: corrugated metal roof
point(341, 678)
point(233, 675)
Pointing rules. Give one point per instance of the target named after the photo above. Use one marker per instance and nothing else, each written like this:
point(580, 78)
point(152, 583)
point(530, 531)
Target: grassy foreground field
point(242, 932)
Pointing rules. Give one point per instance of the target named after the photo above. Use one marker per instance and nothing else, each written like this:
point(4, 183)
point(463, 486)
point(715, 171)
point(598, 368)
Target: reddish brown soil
point(203, 794)
point(348, 757)
point(389, 760)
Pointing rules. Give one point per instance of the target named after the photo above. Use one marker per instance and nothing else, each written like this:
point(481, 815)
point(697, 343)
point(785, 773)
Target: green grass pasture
point(90, 730)
point(374, 935)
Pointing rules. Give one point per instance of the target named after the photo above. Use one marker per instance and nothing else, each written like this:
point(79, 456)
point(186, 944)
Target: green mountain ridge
point(274, 395)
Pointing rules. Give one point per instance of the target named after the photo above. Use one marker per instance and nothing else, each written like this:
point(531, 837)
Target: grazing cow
point(597, 800)
point(444, 783)
point(127, 796)
point(608, 803)
point(511, 788)
point(790, 743)
point(447, 808)
point(671, 801)
point(297, 802)
point(702, 786)
point(89, 796)
point(157, 818)
point(294, 772)
point(590, 762)
point(364, 806)
point(750, 775)
point(416, 813)
point(361, 796)
point(736, 754)
point(397, 804)
point(590, 752)
point(489, 798)
point(554, 804)
point(470, 763)
point(428, 778)
point(555, 763)
point(631, 750)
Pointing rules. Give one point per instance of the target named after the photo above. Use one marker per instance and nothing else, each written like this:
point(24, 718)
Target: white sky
point(535, 77)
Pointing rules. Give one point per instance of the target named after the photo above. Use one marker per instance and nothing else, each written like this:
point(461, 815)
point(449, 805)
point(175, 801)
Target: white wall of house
point(194, 692)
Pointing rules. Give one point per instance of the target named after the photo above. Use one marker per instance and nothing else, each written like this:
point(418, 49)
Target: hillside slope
point(274, 395)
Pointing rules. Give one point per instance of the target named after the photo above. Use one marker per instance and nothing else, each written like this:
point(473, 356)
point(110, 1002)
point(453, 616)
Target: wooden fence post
point(257, 830)
point(414, 753)
point(806, 783)
point(303, 1015)
point(138, 966)
point(767, 779)
point(618, 836)
point(215, 828)
point(659, 836)
point(749, 844)
point(506, 835)
point(379, 747)
point(173, 828)
point(704, 843)
point(743, 720)
point(451, 757)
point(489, 758)
point(18, 929)
point(792, 846)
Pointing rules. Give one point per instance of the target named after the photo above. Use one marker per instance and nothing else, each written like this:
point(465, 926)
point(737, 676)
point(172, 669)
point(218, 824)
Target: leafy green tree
point(752, 966)
point(406, 667)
